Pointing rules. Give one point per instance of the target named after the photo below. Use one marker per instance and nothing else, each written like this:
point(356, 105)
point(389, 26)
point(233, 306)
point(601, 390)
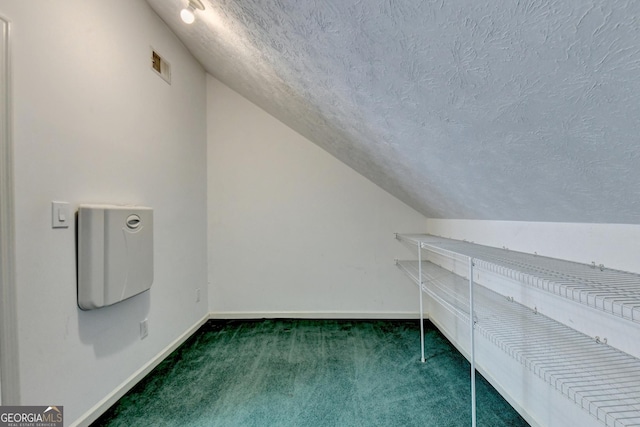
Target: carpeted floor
point(311, 373)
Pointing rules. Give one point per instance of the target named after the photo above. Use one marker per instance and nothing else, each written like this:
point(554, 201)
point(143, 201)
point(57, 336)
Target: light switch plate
point(60, 215)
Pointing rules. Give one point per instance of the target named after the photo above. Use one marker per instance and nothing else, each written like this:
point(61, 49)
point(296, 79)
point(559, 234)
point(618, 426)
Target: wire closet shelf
point(602, 380)
point(612, 291)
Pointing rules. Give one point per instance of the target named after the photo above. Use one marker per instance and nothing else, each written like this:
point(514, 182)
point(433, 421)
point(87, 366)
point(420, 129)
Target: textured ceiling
point(477, 109)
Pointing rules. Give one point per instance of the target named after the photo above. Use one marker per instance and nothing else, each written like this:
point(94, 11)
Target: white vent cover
point(160, 66)
point(115, 253)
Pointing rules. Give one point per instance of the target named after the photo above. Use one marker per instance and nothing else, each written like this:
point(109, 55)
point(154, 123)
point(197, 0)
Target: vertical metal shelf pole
point(473, 349)
point(421, 307)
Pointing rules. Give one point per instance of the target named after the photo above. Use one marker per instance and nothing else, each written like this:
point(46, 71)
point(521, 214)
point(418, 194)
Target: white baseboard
point(99, 408)
point(227, 315)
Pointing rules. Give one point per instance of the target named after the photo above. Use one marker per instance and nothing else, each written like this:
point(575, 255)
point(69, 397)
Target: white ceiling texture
point(522, 110)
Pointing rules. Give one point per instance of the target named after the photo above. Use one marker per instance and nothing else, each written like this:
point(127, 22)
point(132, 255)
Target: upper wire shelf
point(612, 291)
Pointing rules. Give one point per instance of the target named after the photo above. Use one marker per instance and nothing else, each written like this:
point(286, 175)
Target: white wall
point(614, 245)
point(94, 124)
point(293, 231)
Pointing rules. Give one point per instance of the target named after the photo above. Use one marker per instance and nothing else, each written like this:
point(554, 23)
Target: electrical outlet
point(144, 329)
point(198, 295)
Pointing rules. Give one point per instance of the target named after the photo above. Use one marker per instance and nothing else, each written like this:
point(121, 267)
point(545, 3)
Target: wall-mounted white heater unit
point(115, 253)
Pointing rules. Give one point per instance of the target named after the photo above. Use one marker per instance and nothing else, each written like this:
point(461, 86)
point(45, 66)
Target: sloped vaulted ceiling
point(476, 109)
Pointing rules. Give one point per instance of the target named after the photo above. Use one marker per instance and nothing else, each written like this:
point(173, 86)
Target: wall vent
point(160, 66)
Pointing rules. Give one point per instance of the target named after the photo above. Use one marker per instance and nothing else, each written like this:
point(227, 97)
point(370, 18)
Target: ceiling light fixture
point(188, 14)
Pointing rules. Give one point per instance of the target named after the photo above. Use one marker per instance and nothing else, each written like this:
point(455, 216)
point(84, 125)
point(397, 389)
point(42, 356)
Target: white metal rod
point(421, 307)
point(473, 349)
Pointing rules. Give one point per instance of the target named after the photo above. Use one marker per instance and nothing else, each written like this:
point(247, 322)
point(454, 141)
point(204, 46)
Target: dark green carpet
point(311, 373)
